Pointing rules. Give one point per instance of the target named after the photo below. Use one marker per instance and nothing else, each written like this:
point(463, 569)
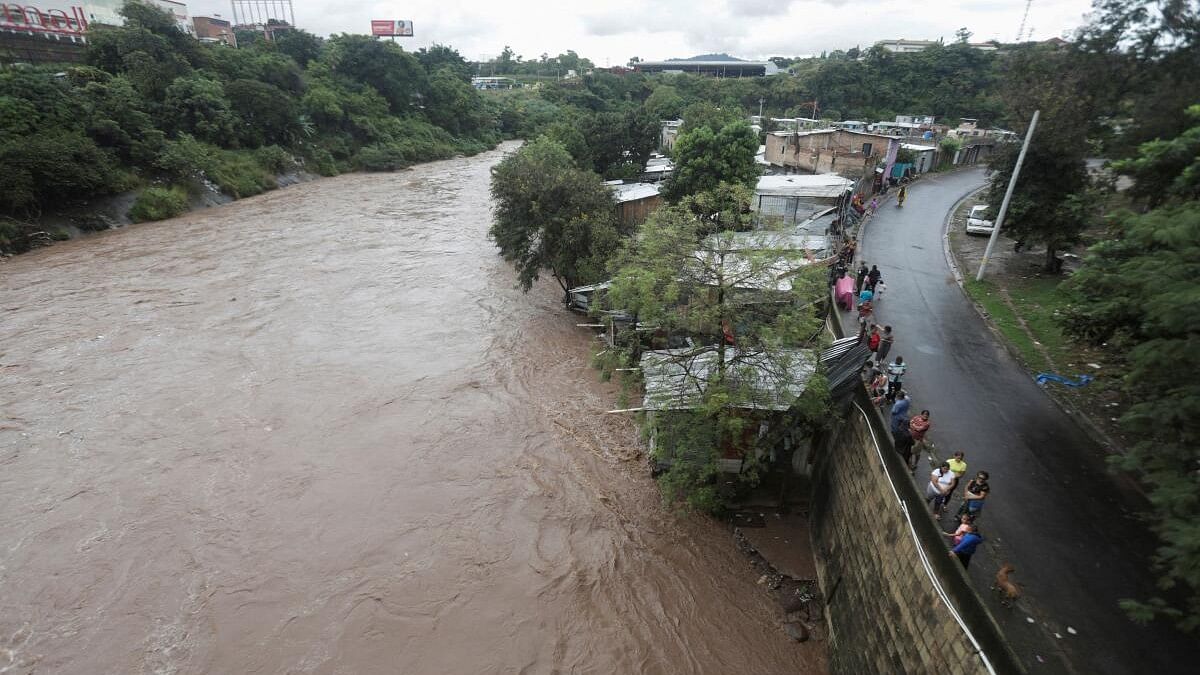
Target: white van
point(976, 223)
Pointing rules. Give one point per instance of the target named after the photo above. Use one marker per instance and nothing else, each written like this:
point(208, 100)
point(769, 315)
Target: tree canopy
point(705, 158)
point(551, 216)
point(1136, 292)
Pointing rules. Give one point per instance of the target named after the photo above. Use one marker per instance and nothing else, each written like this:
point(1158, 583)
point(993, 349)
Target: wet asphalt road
point(1055, 513)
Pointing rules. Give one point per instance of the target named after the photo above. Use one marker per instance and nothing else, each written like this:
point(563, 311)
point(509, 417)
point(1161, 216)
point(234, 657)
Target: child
point(964, 523)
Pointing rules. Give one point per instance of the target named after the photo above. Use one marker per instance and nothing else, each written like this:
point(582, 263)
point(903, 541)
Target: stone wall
point(896, 602)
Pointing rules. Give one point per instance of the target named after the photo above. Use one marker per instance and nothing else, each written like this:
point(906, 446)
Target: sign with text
point(27, 18)
point(390, 28)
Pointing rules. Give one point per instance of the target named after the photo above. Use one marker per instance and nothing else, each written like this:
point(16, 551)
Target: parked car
point(976, 224)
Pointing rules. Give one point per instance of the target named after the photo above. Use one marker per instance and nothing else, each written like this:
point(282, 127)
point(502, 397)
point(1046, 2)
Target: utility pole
point(1012, 183)
point(760, 105)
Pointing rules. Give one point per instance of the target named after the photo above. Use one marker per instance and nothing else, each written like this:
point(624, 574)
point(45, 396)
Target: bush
point(382, 157)
point(275, 159)
point(159, 203)
point(240, 174)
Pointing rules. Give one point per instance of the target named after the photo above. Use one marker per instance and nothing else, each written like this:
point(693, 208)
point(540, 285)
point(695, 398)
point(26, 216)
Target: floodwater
point(320, 431)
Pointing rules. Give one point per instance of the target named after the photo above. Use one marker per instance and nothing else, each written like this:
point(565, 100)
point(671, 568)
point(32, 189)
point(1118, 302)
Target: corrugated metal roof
point(676, 379)
point(801, 185)
point(632, 192)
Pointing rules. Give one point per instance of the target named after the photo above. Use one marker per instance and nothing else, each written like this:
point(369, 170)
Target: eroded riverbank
point(319, 430)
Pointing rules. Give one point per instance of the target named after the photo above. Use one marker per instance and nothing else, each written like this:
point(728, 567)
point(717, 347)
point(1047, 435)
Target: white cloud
point(615, 30)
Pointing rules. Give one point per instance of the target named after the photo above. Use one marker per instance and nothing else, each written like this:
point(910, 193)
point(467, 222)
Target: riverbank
point(115, 211)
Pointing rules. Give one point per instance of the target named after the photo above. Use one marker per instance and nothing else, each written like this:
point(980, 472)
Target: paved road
point(1055, 513)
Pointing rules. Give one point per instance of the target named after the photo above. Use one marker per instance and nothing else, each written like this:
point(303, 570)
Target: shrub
point(159, 203)
point(381, 157)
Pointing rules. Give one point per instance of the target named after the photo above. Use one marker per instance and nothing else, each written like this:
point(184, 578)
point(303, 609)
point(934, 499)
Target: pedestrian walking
point(966, 547)
point(900, 412)
point(860, 276)
point(885, 345)
point(874, 275)
point(919, 428)
point(895, 371)
point(958, 466)
point(975, 494)
point(941, 482)
point(874, 205)
point(873, 339)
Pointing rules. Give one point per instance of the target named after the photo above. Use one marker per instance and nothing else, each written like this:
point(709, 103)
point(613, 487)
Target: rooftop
point(676, 379)
point(802, 185)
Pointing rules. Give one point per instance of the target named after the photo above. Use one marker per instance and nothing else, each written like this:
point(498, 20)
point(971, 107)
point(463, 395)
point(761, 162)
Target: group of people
point(910, 434)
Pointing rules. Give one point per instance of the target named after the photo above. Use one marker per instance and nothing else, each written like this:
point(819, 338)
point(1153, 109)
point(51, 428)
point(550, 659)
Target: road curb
point(1082, 421)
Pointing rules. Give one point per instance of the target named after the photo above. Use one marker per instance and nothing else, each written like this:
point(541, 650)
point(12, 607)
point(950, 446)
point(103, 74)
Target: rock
point(796, 631)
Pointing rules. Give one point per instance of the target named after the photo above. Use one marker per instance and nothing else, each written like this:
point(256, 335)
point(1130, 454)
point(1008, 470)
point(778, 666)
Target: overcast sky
point(611, 31)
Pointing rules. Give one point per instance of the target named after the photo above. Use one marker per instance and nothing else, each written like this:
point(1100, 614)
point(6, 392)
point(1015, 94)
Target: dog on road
point(1008, 590)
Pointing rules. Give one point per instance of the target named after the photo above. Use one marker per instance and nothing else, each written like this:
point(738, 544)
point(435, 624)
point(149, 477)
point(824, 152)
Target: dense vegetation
point(154, 107)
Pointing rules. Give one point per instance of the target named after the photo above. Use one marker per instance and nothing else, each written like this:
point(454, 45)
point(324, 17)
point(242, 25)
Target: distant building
point(904, 46)
point(635, 201)
point(714, 68)
point(214, 29)
point(852, 154)
point(178, 10)
point(668, 134)
point(493, 83)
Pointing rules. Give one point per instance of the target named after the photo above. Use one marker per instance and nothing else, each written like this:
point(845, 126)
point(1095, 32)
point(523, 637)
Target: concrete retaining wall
point(896, 602)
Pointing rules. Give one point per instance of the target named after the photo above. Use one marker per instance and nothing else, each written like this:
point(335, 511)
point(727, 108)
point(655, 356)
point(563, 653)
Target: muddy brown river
point(320, 431)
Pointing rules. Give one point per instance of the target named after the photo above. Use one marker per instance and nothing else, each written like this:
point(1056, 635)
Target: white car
point(976, 223)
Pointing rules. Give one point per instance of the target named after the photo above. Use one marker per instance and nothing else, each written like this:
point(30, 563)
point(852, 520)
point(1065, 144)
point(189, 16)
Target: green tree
point(197, 105)
point(455, 105)
point(551, 216)
point(745, 304)
point(265, 114)
point(704, 159)
point(1135, 292)
point(1051, 202)
point(394, 73)
point(440, 56)
point(300, 45)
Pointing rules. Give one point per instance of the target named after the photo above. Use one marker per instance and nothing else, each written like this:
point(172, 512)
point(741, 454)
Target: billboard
point(390, 28)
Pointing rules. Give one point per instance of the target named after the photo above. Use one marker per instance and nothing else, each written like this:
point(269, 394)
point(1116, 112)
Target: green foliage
point(55, 166)
point(153, 103)
point(756, 289)
point(1051, 203)
point(1167, 169)
point(384, 66)
point(197, 105)
point(705, 158)
point(158, 203)
point(1135, 292)
point(265, 115)
point(552, 216)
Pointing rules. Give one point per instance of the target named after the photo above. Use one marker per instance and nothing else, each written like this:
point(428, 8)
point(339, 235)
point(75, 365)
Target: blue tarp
point(898, 169)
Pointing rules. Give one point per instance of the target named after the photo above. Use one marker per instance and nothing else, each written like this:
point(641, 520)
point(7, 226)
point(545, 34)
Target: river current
point(321, 431)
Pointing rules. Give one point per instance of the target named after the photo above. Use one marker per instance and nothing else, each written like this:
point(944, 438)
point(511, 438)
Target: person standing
point(958, 466)
point(895, 371)
point(860, 277)
point(866, 294)
point(885, 345)
point(903, 442)
point(941, 482)
point(919, 428)
point(975, 494)
point(866, 314)
point(966, 547)
point(873, 339)
point(900, 412)
point(873, 276)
